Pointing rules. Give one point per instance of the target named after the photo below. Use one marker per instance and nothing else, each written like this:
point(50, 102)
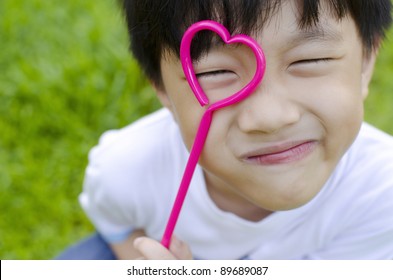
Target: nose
point(268, 110)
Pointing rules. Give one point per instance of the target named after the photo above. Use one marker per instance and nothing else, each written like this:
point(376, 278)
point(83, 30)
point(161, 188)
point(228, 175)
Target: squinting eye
point(214, 80)
point(308, 68)
point(314, 60)
point(311, 67)
point(214, 73)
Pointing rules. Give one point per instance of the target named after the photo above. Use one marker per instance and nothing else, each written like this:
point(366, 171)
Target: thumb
point(180, 249)
point(151, 249)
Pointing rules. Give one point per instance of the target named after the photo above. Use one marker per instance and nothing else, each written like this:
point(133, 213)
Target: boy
point(291, 172)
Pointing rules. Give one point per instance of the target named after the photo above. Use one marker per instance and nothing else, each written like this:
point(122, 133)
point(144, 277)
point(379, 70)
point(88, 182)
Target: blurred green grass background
point(66, 76)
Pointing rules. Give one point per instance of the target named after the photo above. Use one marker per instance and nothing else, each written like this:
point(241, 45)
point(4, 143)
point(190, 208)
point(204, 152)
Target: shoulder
point(147, 132)
point(370, 158)
point(372, 149)
point(360, 191)
point(138, 150)
point(360, 200)
point(373, 137)
point(128, 177)
point(367, 167)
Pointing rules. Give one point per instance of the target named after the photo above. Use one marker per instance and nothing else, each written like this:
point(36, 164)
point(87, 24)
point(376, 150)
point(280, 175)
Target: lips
point(280, 153)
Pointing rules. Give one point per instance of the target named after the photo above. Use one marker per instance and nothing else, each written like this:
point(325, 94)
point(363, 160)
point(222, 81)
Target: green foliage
point(66, 76)
point(379, 104)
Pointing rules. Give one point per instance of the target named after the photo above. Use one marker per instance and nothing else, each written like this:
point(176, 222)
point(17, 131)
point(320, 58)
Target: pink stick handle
point(187, 175)
point(200, 95)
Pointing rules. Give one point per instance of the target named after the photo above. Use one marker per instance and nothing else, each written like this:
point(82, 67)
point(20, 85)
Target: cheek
point(215, 153)
point(180, 100)
point(339, 109)
point(188, 114)
point(346, 106)
point(334, 99)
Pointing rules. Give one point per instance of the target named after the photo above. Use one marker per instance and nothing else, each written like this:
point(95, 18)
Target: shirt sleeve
point(104, 197)
point(127, 178)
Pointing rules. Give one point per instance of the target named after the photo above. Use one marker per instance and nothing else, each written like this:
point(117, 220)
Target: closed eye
point(311, 67)
point(217, 79)
point(314, 60)
point(214, 73)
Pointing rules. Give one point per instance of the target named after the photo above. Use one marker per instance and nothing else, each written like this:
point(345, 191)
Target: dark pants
point(90, 248)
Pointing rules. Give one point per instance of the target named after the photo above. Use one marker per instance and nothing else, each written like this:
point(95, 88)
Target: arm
point(137, 246)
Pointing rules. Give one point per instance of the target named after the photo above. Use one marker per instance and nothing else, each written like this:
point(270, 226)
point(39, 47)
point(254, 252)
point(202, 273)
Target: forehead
point(283, 18)
point(283, 29)
point(285, 22)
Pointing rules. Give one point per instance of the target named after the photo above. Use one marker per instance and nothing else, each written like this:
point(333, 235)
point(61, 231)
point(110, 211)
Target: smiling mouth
point(281, 154)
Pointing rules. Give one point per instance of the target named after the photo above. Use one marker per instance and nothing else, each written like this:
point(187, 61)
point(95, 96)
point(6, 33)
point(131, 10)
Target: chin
point(298, 197)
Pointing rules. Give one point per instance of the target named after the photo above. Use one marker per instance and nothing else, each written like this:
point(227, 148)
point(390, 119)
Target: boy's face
point(276, 149)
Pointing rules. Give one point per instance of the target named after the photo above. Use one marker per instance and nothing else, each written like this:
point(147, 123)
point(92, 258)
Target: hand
point(153, 250)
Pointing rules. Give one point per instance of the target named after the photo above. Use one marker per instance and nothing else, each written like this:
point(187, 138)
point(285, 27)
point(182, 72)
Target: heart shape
point(186, 61)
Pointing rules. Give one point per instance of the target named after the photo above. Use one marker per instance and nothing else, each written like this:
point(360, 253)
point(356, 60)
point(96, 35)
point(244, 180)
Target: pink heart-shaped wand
point(185, 57)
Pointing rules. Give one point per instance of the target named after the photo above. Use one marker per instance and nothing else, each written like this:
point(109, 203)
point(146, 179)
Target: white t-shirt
point(134, 173)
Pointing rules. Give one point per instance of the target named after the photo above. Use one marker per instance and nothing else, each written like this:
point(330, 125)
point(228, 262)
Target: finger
point(152, 250)
point(180, 249)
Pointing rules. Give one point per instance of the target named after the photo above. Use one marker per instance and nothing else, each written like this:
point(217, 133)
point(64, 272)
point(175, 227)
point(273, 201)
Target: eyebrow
point(215, 44)
point(316, 34)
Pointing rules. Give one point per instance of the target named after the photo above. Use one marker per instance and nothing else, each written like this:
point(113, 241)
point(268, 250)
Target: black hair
point(156, 26)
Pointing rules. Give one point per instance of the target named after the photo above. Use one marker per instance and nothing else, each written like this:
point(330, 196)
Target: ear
point(367, 70)
point(163, 96)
